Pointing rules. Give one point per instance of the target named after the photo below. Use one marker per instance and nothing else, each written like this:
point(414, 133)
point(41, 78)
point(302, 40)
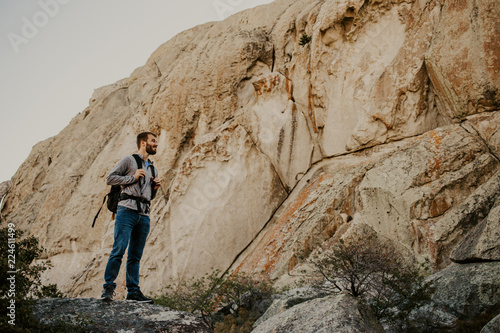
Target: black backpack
point(116, 190)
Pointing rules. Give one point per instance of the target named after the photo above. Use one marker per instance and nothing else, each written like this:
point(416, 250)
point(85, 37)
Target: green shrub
point(27, 285)
point(20, 255)
point(367, 269)
point(304, 39)
point(216, 296)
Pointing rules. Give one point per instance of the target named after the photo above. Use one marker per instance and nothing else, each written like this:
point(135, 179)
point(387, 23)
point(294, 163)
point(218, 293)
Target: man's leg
point(135, 250)
point(124, 224)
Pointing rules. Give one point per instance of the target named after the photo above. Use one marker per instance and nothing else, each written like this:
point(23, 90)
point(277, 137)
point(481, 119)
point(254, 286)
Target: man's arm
point(118, 176)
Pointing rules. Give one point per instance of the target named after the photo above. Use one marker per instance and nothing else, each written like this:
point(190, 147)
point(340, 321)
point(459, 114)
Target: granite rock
point(336, 313)
point(481, 243)
point(94, 315)
point(468, 290)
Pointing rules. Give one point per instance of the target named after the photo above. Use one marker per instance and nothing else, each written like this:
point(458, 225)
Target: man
point(132, 216)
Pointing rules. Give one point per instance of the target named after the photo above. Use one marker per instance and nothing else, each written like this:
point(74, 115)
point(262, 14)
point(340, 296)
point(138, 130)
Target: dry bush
point(366, 268)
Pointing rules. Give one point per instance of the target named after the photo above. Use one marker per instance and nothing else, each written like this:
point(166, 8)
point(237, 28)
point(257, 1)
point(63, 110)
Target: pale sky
point(54, 53)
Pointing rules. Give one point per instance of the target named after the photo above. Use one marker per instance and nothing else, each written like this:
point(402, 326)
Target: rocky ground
point(94, 315)
point(466, 295)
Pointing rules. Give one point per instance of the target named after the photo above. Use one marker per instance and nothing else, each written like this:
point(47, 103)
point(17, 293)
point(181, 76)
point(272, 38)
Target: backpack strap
point(138, 160)
point(153, 171)
point(103, 201)
point(153, 191)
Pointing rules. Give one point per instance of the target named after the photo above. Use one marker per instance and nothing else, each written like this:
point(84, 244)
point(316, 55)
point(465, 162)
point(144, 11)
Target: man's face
point(151, 145)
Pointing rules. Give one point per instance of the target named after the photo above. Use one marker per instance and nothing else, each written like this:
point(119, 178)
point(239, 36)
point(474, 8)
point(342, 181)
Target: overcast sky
point(54, 53)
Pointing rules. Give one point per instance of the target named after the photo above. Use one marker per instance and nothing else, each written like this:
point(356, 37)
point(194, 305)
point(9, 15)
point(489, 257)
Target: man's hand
point(156, 183)
point(139, 173)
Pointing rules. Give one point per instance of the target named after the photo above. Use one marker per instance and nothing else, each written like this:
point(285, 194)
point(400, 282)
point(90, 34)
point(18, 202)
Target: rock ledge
point(116, 316)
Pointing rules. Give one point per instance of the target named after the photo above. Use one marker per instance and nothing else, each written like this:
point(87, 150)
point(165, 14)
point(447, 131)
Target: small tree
point(19, 257)
point(24, 253)
point(375, 272)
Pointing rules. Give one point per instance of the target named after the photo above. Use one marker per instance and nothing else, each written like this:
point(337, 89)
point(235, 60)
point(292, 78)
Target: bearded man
point(132, 217)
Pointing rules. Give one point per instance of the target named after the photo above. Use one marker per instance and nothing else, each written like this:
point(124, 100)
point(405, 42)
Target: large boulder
point(286, 300)
point(468, 290)
point(94, 315)
point(466, 297)
point(336, 313)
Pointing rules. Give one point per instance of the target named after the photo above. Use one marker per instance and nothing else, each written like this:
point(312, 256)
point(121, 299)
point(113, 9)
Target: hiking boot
point(108, 293)
point(139, 297)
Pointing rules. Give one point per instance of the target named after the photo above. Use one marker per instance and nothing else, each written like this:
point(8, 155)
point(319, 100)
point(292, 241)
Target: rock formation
point(338, 313)
point(469, 290)
point(481, 243)
point(386, 120)
point(93, 315)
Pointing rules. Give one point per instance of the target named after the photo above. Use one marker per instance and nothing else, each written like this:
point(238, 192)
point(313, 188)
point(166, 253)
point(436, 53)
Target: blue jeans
point(131, 229)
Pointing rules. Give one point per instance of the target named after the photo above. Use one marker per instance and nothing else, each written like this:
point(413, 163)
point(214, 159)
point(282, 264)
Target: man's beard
point(150, 150)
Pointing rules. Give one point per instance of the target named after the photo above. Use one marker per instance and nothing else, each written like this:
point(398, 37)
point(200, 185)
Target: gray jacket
point(123, 174)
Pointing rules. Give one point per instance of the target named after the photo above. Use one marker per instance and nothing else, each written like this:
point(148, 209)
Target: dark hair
point(143, 137)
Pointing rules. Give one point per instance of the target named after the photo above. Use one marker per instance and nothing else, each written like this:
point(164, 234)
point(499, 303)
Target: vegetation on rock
point(23, 287)
point(375, 272)
point(226, 302)
point(304, 39)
